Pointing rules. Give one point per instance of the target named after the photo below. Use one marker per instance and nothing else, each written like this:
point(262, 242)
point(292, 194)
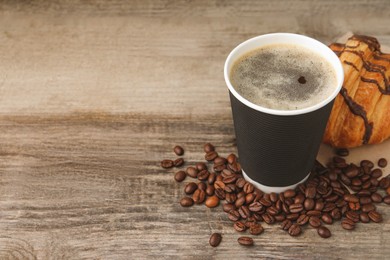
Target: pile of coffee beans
point(338, 192)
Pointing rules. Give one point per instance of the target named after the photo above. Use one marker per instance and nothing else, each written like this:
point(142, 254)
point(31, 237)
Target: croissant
point(361, 111)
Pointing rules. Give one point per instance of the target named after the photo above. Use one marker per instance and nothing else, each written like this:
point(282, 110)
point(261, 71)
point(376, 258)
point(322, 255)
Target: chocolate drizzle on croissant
point(369, 67)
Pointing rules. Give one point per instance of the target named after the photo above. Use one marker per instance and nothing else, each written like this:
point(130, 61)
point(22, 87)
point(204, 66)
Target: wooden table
point(94, 94)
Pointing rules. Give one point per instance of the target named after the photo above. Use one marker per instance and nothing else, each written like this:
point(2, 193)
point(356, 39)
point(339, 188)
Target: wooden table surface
point(93, 94)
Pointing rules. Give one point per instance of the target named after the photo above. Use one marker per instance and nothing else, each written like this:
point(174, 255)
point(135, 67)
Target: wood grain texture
point(93, 94)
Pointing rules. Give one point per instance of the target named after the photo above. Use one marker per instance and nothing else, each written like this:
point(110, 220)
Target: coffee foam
point(268, 77)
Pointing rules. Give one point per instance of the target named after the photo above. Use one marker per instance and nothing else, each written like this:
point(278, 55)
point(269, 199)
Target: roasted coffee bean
point(199, 196)
point(365, 200)
point(232, 158)
point(340, 203)
point(386, 199)
point(234, 215)
point(192, 172)
point(336, 214)
point(208, 148)
point(239, 226)
point(344, 179)
point(292, 216)
point(200, 166)
point(351, 198)
point(364, 218)
point(286, 224)
point(289, 193)
point(202, 186)
point(230, 179)
point(342, 152)
point(255, 206)
point(203, 175)
point(186, 202)
point(166, 164)
point(324, 232)
point(230, 187)
point(384, 183)
point(178, 150)
point(319, 205)
point(314, 221)
point(210, 156)
point(257, 216)
point(241, 194)
point(374, 182)
point(228, 207)
point(231, 197)
point(376, 173)
point(211, 178)
point(326, 218)
point(249, 198)
point(219, 185)
point(273, 197)
point(333, 175)
point(367, 163)
point(280, 217)
point(296, 208)
point(248, 188)
point(382, 162)
point(376, 197)
point(388, 190)
point(310, 192)
point(354, 206)
point(375, 216)
point(215, 239)
point(368, 207)
point(268, 218)
point(178, 162)
point(294, 230)
point(220, 193)
point(256, 229)
point(212, 202)
point(244, 212)
point(352, 171)
point(190, 188)
point(316, 213)
point(265, 202)
point(239, 202)
point(245, 241)
point(240, 182)
point(220, 160)
point(272, 211)
point(352, 215)
point(219, 167)
point(285, 208)
point(364, 193)
point(363, 178)
point(303, 219)
point(300, 198)
point(180, 176)
point(348, 224)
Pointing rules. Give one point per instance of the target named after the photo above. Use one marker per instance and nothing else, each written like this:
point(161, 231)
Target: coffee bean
point(178, 150)
point(234, 215)
point(316, 213)
point(244, 212)
point(240, 182)
point(348, 224)
point(249, 198)
point(256, 229)
point(190, 188)
point(245, 241)
point(296, 208)
point(192, 172)
point(230, 188)
point(368, 207)
point(180, 176)
point(232, 158)
point(336, 214)
point(228, 207)
point(375, 216)
point(231, 197)
point(319, 205)
point(211, 156)
point(286, 224)
point(367, 163)
point(294, 230)
point(309, 204)
point(265, 202)
point(326, 218)
point(255, 206)
point(384, 183)
point(354, 206)
point(211, 178)
point(324, 232)
point(220, 160)
point(376, 173)
point(344, 179)
point(219, 168)
point(382, 162)
point(215, 239)
point(366, 200)
point(230, 179)
point(212, 202)
point(202, 186)
point(299, 199)
point(303, 219)
point(352, 171)
point(364, 218)
point(220, 193)
point(268, 218)
point(314, 221)
point(386, 199)
point(239, 226)
point(186, 202)
point(351, 198)
point(178, 162)
point(289, 193)
point(388, 190)
point(166, 164)
point(311, 192)
point(273, 197)
point(219, 185)
point(342, 152)
point(203, 175)
point(208, 148)
point(352, 215)
point(333, 175)
point(199, 196)
point(248, 188)
point(210, 190)
point(235, 167)
point(200, 166)
point(292, 216)
point(273, 211)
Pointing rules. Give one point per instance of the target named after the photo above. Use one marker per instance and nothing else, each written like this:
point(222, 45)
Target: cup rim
point(333, 59)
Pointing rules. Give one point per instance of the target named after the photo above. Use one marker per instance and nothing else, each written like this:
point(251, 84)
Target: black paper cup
point(277, 148)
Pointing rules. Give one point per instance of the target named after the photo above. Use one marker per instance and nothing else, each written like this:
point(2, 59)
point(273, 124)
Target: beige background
point(93, 94)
